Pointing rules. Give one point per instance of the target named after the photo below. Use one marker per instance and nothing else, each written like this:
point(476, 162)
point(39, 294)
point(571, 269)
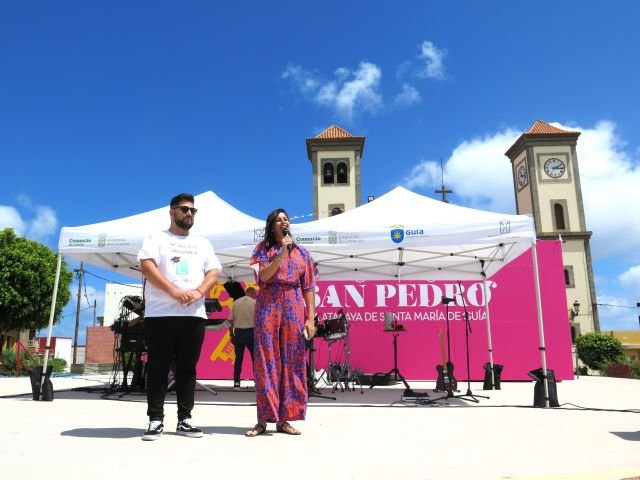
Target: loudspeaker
point(538, 390)
point(497, 371)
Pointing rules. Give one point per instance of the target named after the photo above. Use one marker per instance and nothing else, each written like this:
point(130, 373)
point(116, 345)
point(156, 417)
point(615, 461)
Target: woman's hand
point(310, 328)
point(286, 242)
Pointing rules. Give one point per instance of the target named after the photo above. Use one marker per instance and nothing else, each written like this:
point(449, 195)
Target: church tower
point(335, 161)
point(546, 181)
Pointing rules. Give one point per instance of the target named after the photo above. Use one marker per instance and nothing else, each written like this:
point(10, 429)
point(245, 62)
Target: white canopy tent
point(114, 245)
point(399, 235)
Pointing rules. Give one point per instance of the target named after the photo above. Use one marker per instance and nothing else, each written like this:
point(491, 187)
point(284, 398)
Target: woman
point(287, 279)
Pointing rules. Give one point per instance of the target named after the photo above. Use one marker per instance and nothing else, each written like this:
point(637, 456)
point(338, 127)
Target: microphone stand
point(312, 391)
point(469, 395)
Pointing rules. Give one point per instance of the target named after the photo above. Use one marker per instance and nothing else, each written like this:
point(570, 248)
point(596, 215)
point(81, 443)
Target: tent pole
point(52, 313)
point(486, 309)
point(543, 355)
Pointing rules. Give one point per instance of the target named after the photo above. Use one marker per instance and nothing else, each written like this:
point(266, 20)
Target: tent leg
point(52, 313)
point(486, 307)
point(543, 355)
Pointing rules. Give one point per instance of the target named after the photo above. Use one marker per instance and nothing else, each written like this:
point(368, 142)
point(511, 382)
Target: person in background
point(241, 332)
point(179, 269)
point(284, 316)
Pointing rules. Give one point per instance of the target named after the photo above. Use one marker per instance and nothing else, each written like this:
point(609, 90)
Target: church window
point(569, 280)
point(342, 173)
point(558, 213)
point(327, 173)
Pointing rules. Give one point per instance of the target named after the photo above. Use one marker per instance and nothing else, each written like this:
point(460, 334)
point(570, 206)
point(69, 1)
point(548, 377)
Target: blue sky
point(107, 109)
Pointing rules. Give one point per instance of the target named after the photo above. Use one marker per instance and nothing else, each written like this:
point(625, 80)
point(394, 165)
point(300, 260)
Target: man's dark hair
point(182, 197)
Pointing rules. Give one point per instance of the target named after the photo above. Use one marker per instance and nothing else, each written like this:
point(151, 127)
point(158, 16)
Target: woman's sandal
point(259, 429)
point(285, 427)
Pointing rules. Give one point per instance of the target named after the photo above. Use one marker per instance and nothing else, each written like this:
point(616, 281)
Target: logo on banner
point(505, 226)
point(102, 240)
point(397, 233)
point(258, 235)
point(333, 237)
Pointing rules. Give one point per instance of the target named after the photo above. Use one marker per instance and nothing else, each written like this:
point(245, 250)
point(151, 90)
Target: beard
point(185, 223)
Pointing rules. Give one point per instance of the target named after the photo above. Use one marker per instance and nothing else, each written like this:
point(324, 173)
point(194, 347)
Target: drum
point(335, 328)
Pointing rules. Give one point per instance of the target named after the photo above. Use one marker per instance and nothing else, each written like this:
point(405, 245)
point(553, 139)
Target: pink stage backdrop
point(418, 307)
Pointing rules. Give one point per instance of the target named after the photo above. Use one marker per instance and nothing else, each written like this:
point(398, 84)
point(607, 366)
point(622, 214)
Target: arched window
point(558, 212)
point(343, 173)
point(327, 172)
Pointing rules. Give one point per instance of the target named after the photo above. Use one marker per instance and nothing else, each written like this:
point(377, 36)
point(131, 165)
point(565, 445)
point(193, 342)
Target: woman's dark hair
point(269, 237)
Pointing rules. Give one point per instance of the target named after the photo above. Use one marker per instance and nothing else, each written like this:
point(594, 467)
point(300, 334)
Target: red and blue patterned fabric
point(279, 355)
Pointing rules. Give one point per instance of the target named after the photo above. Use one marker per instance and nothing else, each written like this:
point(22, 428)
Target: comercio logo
point(79, 241)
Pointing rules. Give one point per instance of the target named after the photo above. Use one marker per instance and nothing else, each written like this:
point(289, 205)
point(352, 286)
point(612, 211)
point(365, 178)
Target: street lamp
point(575, 311)
point(575, 331)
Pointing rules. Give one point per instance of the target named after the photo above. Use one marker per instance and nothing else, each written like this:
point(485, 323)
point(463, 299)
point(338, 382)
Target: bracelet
point(198, 290)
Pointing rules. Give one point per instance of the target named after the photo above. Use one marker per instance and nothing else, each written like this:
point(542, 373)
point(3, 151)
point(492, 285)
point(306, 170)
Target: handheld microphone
point(286, 233)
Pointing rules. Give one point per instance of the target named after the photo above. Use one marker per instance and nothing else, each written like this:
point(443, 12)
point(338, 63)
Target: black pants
point(168, 338)
point(242, 337)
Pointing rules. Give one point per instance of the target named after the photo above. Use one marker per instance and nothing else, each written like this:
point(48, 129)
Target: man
point(241, 318)
point(179, 269)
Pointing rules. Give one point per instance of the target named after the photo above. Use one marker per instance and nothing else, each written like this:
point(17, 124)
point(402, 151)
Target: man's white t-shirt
point(184, 261)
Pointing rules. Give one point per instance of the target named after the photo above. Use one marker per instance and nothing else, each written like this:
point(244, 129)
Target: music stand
point(395, 330)
point(312, 391)
point(469, 395)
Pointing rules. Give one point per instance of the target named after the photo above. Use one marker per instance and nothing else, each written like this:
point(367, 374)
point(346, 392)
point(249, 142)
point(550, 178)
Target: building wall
point(335, 194)
point(100, 345)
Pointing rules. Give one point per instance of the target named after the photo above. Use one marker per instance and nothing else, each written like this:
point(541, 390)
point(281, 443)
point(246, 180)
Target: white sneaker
point(154, 431)
point(186, 428)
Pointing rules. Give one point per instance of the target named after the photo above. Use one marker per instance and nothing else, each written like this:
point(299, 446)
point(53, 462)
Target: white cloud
point(432, 57)
point(39, 228)
point(477, 171)
point(408, 96)
point(11, 218)
point(615, 313)
point(609, 180)
point(630, 279)
point(480, 175)
point(44, 224)
point(349, 93)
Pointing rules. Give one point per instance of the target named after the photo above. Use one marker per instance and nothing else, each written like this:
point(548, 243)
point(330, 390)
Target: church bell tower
point(546, 181)
point(335, 157)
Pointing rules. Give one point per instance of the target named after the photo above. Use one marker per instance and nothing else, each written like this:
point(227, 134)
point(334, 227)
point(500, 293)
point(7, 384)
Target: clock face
point(554, 167)
point(522, 175)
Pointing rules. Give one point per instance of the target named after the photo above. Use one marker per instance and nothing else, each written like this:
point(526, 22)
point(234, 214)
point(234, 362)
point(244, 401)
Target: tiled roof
point(334, 131)
point(543, 128)
point(332, 136)
point(541, 131)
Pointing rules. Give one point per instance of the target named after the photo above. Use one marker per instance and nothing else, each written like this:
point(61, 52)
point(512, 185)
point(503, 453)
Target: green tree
point(27, 275)
point(597, 349)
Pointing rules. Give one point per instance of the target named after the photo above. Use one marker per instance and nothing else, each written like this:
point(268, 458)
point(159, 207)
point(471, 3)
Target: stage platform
point(87, 432)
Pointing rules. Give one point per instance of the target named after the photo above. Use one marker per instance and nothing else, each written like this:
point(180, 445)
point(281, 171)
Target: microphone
point(286, 233)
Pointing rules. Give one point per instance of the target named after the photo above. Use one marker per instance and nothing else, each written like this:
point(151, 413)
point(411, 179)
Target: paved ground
point(83, 433)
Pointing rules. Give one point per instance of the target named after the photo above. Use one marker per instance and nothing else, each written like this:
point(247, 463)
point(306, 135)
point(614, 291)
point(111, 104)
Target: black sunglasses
point(186, 210)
